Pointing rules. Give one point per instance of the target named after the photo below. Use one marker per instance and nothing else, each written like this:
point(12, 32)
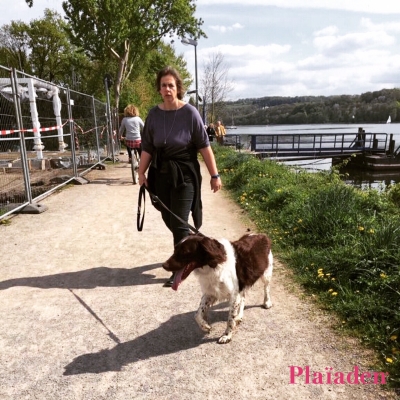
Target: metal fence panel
point(53, 136)
point(12, 185)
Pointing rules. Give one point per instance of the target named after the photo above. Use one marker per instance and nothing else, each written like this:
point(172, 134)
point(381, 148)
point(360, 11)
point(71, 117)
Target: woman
point(211, 132)
point(132, 124)
point(173, 134)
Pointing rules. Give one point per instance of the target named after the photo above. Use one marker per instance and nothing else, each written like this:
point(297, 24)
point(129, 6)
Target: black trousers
point(137, 149)
point(178, 200)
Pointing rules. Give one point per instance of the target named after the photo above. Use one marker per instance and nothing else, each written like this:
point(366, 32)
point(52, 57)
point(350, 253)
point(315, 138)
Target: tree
point(14, 46)
point(52, 55)
point(42, 48)
point(215, 84)
point(127, 30)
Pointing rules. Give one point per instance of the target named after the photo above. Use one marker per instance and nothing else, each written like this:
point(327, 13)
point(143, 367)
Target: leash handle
point(156, 199)
point(142, 195)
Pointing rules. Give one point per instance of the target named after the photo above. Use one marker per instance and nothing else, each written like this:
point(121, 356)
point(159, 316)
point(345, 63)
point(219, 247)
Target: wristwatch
point(215, 176)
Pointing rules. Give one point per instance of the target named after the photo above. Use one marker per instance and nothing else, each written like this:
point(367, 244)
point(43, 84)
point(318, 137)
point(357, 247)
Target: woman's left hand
point(216, 184)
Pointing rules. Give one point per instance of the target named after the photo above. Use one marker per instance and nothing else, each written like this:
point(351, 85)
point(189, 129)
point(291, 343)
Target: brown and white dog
point(225, 270)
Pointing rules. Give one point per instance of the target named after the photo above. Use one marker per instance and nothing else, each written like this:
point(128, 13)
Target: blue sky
point(287, 47)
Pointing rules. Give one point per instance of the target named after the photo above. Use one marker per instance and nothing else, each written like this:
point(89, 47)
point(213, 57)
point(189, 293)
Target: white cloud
point(328, 31)
point(391, 26)
point(292, 48)
point(352, 41)
point(223, 28)
point(365, 6)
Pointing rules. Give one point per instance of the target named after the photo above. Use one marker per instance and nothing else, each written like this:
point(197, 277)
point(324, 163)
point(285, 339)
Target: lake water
point(358, 178)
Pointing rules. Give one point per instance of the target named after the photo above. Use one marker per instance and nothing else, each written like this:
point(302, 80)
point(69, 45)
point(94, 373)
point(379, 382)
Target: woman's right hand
point(142, 180)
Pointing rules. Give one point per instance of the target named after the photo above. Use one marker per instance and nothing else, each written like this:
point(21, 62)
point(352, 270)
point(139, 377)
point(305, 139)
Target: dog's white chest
point(220, 282)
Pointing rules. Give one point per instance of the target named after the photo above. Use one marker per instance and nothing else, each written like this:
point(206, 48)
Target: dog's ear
point(214, 251)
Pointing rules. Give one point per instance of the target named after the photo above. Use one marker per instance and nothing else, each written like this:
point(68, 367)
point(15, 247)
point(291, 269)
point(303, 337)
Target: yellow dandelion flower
point(389, 360)
point(334, 293)
point(330, 290)
point(319, 270)
point(333, 279)
point(383, 276)
point(300, 221)
point(393, 337)
point(371, 231)
point(361, 228)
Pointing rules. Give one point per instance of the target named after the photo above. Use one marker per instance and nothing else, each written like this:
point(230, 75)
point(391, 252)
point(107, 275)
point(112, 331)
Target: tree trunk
point(121, 74)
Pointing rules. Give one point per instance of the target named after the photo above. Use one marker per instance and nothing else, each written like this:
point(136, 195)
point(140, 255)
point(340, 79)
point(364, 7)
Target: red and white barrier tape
point(52, 128)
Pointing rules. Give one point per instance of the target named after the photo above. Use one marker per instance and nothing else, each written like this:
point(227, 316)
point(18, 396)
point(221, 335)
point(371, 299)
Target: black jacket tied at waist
point(176, 167)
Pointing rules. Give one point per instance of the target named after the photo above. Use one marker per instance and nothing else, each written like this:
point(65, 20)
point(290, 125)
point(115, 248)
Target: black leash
point(155, 200)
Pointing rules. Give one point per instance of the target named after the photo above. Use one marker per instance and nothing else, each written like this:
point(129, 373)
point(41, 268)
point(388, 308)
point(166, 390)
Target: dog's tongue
point(177, 279)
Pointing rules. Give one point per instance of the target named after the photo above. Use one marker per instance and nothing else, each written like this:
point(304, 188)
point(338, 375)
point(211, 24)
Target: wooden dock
point(373, 151)
point(319, 145)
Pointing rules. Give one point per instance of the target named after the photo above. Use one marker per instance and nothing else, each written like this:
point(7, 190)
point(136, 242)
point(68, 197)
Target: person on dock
point(220, 132)
point(211, 132)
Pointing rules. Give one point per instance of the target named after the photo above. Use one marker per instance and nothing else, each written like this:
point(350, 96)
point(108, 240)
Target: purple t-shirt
point(174, 131)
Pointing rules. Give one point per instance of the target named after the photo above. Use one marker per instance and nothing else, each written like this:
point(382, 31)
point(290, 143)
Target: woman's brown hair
point(131, 111)
point(178, 80)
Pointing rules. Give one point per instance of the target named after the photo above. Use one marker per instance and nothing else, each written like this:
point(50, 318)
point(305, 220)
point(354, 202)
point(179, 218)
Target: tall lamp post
point(193, 42)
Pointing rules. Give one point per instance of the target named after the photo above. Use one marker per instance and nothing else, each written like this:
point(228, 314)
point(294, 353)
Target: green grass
point(342, 243)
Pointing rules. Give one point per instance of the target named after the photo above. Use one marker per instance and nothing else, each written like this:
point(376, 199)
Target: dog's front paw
point(203, 325)
point(205, 328)
point(267, 304)
point(225, 339)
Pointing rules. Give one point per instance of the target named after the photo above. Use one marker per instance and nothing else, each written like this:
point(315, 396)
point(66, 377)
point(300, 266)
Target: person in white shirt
point(132, 125)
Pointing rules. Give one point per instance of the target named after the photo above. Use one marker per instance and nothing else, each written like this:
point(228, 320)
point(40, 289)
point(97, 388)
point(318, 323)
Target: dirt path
point(84, 314)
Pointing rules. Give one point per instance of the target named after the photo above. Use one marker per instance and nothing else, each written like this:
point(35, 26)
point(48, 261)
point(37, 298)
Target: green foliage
point(14, 46)
point(127, 30)
point(42, 48)
point(342, 243)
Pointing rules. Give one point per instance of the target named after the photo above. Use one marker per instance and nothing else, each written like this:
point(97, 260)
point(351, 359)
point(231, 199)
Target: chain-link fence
point(49, 136)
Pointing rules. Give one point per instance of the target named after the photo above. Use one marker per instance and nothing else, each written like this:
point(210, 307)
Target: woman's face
point(168, 89)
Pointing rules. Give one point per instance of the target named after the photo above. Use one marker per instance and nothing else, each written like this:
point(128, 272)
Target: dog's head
point(193, 252)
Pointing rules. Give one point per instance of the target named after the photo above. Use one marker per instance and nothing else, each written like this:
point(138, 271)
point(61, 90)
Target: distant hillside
point(370, 107)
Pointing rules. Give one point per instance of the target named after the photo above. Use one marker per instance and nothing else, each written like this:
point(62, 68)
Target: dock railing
point(318, 144)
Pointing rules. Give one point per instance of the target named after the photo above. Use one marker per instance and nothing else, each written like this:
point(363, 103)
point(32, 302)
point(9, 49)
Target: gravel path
point(84, 314)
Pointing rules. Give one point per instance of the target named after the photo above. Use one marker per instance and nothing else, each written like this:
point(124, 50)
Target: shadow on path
point(90, 278)
point(179, 333)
